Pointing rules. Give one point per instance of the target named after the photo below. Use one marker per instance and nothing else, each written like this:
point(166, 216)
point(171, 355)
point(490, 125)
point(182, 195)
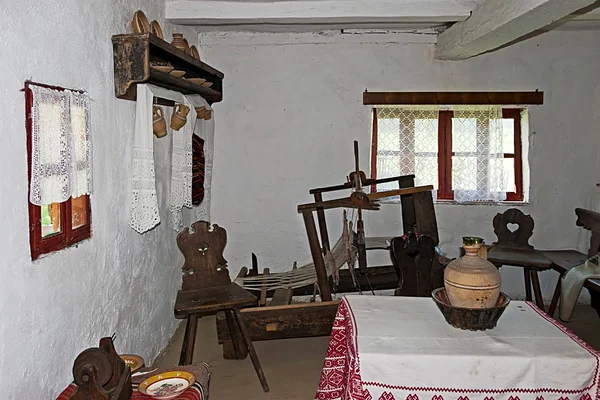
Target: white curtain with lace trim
point(61, 148)
point(407, 143)
point(478, 172)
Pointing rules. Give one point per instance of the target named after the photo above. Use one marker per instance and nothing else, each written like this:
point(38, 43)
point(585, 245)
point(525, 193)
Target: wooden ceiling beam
point(496, 23)
point(315, 12)
point(453, 98)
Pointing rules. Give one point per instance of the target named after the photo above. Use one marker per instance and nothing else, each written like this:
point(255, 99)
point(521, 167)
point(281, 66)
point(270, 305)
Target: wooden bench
point(563, 260)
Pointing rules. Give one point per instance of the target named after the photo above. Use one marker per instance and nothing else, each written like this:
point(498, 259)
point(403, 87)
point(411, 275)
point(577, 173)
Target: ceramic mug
point(179, 117)
point(159, 125)
point(200, 112)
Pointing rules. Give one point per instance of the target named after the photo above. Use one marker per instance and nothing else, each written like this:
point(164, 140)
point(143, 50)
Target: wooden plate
point(177, 73)
point(133, 361)
point(197, 81)
point(156, 29)
point(194, 52)
point(140, 23)
point(207, 84)
point(163, 68)
point(167, 385)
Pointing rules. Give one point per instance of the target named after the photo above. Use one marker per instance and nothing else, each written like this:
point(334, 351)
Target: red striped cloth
point(193, 393)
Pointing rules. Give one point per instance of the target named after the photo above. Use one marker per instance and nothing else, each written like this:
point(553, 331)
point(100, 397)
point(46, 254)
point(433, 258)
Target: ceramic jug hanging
point(179, 117)
point(471, 281)
point(159, 125)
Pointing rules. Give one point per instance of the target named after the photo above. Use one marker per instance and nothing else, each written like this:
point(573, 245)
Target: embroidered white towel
point(144, 210)
point(571, 285)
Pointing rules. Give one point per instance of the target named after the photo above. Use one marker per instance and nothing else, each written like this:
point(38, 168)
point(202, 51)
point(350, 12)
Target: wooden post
point(322, 223)
point(408, 204)
point(317, 255)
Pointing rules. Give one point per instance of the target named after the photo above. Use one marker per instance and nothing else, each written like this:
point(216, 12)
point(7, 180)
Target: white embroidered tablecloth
point(401, 348)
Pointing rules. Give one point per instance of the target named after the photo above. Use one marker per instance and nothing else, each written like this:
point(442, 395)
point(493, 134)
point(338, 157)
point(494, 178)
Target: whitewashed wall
point(118, 281)
point(293, 106)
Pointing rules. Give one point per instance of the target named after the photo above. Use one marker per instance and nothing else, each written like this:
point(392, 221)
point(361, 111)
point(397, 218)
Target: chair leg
point(253, 356)
point(527, 284)
point(189, 339)
point(537, 290)
point(233, 334)
point(555, 298)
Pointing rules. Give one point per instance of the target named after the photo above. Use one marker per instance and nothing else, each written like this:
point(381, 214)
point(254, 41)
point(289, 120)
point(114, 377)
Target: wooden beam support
point(496, 23)
point(453, 98)
point(315, 12)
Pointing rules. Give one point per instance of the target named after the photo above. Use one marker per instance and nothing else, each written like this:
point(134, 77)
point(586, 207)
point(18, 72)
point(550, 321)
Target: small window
point(59, 159)
point(468, 153)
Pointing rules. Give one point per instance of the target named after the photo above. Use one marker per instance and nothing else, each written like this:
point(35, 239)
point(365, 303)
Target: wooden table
point(401, 348)
point(531, 261)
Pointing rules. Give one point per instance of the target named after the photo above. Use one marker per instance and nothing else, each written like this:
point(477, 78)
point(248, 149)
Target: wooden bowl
point(472, 319)
point(139, 23)
point(156, 29)
point(193, 51)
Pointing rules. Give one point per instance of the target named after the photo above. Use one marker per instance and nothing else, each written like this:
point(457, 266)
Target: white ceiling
point(320, 15)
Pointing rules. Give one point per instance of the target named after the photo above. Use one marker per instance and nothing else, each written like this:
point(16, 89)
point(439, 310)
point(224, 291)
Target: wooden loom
point(280, 319)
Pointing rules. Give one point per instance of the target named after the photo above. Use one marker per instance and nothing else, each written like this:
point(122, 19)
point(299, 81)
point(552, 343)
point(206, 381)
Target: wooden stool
point(207, 289)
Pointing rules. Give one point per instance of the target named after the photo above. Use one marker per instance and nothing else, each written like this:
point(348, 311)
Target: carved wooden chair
point(564, 260)
point(419, 267)
point(513, 248)
point(207, 289)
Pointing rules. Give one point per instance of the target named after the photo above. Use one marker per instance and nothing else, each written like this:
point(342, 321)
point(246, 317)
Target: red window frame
point(445, 154)
point(67, 235)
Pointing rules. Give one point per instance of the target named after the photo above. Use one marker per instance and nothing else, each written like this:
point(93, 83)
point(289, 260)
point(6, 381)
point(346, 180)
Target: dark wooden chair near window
point(564, 260)
point(513, 248)
point(207, 289)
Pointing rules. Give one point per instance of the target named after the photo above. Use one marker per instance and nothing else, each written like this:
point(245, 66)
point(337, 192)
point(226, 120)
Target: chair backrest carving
point(517, 239)
point(590, 220)
point(203, 247)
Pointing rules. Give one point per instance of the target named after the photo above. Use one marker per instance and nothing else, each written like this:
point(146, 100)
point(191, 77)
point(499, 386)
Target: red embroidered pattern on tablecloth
point(341, 377)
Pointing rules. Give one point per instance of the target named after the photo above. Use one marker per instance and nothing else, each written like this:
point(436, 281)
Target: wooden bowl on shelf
point(472, 319)
point(139, 23)
point(156, 29)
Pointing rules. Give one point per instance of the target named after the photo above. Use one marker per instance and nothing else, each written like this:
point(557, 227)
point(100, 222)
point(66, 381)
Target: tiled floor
point(293, 366)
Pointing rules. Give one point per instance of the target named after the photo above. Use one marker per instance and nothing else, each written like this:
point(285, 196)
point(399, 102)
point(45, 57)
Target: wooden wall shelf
point(134, 55)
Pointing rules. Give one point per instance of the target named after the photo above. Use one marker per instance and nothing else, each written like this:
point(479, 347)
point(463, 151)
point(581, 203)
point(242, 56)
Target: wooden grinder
point(101, 374)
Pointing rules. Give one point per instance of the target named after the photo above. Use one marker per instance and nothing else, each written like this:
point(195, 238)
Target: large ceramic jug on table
point(471, 281)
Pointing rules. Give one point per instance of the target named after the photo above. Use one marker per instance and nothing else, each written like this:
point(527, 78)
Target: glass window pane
point(78, 211)
point(426, 171)
point(509, 174)
point(426, 135)
point(464, 135)
point(508, 136)
point(388, 134)
point(50, 219)
point(387, 166)
point(464, 173)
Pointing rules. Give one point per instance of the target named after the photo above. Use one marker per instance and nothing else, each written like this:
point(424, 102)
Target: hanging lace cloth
point(144, 209)
point(478, 171)
point(61, 151)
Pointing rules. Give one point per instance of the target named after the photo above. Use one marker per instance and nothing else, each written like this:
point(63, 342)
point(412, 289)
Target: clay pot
point(471, 281)
point(200, 112)
point(159, 125)
point(179, 42)
point(179, 117)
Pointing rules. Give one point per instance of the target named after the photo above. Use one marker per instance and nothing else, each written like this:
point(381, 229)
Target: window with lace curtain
point(468, 153)
point(59, 167)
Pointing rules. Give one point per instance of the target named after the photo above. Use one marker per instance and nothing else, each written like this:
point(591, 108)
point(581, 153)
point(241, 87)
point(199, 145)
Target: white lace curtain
point(61, 151)
point(407, 143)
